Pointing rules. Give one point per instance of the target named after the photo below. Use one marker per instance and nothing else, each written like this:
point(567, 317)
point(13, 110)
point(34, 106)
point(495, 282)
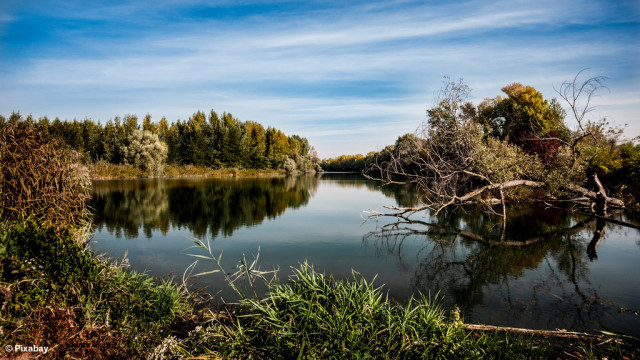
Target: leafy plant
point(60, 293)
point(314, 316)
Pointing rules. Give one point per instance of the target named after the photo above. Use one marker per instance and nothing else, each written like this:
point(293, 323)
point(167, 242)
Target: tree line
point(217, 141)
point(348, 163)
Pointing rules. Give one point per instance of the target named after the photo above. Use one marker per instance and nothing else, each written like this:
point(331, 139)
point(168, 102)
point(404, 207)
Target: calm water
point(557, 271)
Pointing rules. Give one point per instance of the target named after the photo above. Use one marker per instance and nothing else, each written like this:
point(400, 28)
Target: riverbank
point(57, 294)
point(107, 171)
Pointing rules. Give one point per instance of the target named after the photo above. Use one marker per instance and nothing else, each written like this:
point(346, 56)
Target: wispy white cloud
point(325, 73)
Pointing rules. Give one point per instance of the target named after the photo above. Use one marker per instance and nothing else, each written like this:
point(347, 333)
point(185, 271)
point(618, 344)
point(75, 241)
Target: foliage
point(626, 176)
point(563, 170)
point(316, 316)
point(599, 149)
point(289, 164)
point(524, 115)
point(40, 179)
point(61, 294)
point(463, 151)
point(349, 163)
point(500, 161)
point(216, 141)
point(145, 151)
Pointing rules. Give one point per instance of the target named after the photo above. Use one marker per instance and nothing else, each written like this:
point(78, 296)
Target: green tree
point(92, 136)
point(163, 127)
point(147, 125)
point(233, 150)
point(130, 123)
point(525, 118)
point(198, 138)
point(277, 147)
point(257, 143)
point(172, 139)
point(112, 142)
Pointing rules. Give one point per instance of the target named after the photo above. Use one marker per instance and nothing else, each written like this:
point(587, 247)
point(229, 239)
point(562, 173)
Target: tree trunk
point(601, 198)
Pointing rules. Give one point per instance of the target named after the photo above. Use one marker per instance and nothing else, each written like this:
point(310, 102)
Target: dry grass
point(104, 170)
point(40, 180)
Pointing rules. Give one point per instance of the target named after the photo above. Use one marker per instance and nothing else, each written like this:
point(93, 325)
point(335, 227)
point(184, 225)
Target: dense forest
point(214, 141)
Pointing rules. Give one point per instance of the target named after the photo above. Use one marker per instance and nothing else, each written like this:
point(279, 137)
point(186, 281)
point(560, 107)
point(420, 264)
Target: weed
point(61, 291)
point(313, 315)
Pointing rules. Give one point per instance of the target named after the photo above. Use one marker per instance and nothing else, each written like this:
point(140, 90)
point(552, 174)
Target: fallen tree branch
point(591, 195)
point(550, 333)
point(596, 216)
point(470, 197)
point(501, 186)
point(615, 221)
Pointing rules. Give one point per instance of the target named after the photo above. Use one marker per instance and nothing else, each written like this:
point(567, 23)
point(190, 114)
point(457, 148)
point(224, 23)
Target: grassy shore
point(56, 293)
point(104, 170)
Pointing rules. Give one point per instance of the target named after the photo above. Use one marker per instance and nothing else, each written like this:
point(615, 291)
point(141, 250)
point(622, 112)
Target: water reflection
point(547, 269)
point(539, 273)
point(405, 196)
point(207, 207)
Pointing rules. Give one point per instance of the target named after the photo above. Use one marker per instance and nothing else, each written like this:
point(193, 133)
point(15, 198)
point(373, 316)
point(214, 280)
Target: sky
point(350, 76)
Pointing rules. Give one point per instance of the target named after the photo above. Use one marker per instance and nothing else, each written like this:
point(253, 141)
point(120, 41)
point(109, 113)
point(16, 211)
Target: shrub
point(145, 151)
point(40, 180)
point(56, 292)
point(289, 164)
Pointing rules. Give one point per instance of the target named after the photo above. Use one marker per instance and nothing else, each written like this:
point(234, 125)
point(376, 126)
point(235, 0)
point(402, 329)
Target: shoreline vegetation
point(106, 171)
point(57, 293)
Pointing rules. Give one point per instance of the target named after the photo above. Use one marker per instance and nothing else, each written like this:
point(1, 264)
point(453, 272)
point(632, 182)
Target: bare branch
point(454, 163)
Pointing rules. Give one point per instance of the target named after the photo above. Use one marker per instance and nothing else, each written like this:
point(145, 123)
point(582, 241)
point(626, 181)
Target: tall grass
point(314, 316)
point(40, 180)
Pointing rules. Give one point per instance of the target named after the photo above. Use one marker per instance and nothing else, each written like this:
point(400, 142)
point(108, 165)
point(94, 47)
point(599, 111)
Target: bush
point(289, 164)
point(55, 292)
point(146, 151)
point(40, 180)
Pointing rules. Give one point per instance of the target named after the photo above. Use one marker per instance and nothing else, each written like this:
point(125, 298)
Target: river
point(550, 269)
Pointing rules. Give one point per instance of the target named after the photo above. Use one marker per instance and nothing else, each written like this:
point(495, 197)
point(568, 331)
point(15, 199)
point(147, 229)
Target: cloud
point(328, 72)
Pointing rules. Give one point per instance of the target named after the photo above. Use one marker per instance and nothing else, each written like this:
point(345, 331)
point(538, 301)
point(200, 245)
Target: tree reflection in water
point(551, 270)
point(537, 274)
point(220, 206)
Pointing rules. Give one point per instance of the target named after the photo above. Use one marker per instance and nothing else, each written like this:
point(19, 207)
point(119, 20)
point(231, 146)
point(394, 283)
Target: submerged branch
point(597, 200)
point(551, 333)
point(396, 229)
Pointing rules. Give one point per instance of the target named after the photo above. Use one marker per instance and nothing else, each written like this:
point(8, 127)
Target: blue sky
point(350, 76)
